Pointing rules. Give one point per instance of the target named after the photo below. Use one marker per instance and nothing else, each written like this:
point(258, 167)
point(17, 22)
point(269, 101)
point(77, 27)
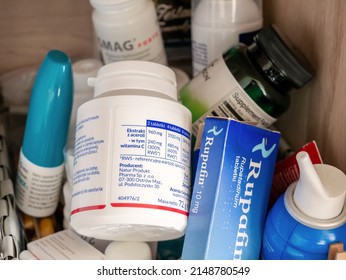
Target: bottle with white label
point(218, 25)
point(128, 30)
point(131, 175)
point(248, 83)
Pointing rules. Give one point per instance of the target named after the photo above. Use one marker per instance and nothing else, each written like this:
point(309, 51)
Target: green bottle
point(248, 83)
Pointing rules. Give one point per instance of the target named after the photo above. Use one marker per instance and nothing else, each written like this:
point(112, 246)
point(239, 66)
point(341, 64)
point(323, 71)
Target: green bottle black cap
point(284, 56)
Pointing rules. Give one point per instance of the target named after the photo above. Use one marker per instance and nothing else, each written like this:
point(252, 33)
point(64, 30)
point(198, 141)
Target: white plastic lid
point(82, 70)
point(318, 197)
point(106, 5)
point(118, 250)
point(181, 76)
point(133, 74)
point(26, 255)
point(226, 13)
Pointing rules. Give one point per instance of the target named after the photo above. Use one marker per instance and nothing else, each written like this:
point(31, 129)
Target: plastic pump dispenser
point(310, 215)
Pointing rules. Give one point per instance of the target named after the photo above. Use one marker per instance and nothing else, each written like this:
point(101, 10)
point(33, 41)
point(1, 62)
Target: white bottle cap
point(181, 76)
point(105, 5)
point(27, 255)
point(131, 74)
point(82, 70)
point(319, 194)
point(227, 14)
point(118, 250)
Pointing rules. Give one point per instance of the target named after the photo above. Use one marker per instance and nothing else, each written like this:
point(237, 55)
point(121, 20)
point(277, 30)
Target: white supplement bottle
point(82, 70)
point(82, 92)
point(128, 30)
point(217, 25)
point(131, 176)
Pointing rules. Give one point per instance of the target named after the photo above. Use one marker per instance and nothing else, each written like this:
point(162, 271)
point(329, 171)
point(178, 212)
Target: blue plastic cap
point(49, 112)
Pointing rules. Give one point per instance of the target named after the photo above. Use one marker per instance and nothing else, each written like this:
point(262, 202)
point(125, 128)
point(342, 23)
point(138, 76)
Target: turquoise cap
point(49, 112)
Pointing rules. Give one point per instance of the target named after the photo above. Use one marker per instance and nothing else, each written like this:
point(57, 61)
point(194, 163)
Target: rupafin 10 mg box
point(231, 191)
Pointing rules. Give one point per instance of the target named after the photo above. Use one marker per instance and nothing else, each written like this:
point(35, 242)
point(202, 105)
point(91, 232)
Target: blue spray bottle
point(41, 160)
point(309, 216)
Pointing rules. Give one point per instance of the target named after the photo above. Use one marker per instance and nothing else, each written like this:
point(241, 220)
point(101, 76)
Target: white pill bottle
point(217, 25)
point(131, 175)
point(128, 30)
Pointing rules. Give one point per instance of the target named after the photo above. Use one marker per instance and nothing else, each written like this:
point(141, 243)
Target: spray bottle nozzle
point(321, 189)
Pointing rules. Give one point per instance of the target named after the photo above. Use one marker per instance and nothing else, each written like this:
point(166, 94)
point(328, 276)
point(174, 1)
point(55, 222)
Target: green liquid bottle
point(248, 83)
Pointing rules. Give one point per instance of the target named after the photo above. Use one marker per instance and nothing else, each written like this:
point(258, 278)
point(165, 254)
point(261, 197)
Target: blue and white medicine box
point(231, 191)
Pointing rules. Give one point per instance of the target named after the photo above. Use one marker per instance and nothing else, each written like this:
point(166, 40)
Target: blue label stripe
point(168, 126)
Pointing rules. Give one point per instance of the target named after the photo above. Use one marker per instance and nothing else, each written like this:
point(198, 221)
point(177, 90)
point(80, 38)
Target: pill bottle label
point(45, 184)
point(215, 92)
point(146, 45)
point(130, 31)
point(144, 150)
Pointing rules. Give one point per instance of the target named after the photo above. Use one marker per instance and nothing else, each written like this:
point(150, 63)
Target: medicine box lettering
point(231, 191)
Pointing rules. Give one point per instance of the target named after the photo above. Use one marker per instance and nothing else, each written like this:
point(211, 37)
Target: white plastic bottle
point(132, 156)
point(219, 24)
point(128, 30)
point(82, 70)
